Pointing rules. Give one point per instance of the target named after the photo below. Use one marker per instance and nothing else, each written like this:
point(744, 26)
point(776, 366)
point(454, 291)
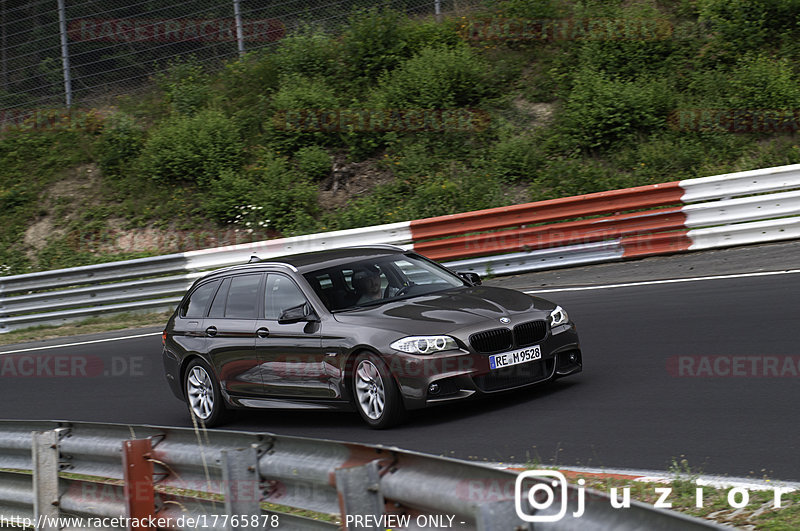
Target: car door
point(230, 331)
point(291, 355)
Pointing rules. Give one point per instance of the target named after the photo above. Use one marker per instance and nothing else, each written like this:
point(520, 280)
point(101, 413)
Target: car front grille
point(515, 376)
point(530, 333)
point(495, 340)
point(500, 339)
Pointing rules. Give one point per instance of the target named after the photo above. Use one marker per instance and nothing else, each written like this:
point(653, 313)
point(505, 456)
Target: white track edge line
point(667, 281)
point(79, 343)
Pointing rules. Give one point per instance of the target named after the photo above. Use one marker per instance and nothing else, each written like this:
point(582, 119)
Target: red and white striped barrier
point(643, 221)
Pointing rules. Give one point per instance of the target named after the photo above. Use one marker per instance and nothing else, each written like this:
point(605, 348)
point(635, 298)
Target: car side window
point(218, 305)
point(242, 300)
point(281, 294)
point(195, 306)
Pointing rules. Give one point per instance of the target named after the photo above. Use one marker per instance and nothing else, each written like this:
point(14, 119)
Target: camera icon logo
point(540, 495)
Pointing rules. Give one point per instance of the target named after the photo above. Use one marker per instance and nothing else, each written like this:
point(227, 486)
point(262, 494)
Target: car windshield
point(377, 280)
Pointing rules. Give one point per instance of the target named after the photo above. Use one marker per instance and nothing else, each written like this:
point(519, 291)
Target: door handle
point(262, 332)
point(211, 331)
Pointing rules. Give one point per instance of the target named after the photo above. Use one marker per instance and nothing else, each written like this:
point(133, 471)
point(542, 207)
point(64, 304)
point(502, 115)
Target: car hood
point(447, 310)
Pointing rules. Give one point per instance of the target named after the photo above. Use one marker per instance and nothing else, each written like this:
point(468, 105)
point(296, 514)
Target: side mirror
point(471, 278)
point(296, 314)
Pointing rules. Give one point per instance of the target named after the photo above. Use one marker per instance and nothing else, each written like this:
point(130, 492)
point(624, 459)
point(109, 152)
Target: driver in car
point(367, 283)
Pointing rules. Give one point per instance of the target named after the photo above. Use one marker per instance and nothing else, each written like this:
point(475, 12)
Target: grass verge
point(89, 326)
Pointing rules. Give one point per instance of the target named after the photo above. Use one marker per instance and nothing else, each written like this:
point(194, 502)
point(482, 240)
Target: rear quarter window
point(195, 306)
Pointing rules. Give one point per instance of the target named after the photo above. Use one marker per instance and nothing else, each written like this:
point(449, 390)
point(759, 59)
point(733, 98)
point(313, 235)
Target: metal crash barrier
point(72, 475)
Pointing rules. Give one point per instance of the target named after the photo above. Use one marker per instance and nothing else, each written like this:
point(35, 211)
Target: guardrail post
point(241, 487)
point(45, 479)
point(138, 475)
point(360, 494)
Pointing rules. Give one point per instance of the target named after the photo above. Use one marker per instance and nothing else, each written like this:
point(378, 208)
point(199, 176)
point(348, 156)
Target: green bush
point(373, 43)
point(191, 149)
point(294, 111)
point(289, 200)
point(436, 78)
point(242, 91)
point(314, 162)
point(603, 110)
point(186, 86)
point(676, 155)
point(421, 34)
point(762, 82)
point(308, 53)
point(227, 193)
point(516, 158)
point(527, 9)
point(120, 144)
point(457, 190)
point(746, 24)
point(568, 177)
point(270, 194)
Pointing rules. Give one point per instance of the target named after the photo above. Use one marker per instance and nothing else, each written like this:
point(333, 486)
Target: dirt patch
point(349, 180)
point(540, 114)
point(37, 234)
point(60, 202)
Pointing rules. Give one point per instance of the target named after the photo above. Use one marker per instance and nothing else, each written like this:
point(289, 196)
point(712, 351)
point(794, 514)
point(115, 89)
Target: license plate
point(515, 357)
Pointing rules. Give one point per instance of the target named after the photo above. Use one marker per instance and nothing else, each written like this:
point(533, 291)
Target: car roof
point(330, 257)
point(315, 260)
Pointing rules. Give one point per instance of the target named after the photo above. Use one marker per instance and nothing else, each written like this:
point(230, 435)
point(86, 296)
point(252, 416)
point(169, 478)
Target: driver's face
point(373, 283)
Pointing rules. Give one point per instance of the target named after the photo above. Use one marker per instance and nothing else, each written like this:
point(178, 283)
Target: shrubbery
point(436, 78)
point(309, 53)
point(742, 25)
point(268, 194)
point(185, 86)
point(314, 162)
point(191, 149)
point(602, 110)
point(120, 144)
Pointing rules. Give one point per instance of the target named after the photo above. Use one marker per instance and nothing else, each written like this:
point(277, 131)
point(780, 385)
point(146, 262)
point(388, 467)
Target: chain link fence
point(56, 53)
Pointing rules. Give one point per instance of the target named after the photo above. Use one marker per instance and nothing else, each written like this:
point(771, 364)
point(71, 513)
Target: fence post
point(62, 27)
point(45, 479)
point(237, 15)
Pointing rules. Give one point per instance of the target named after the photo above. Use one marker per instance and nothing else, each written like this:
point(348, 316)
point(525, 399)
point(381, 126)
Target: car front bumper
point(429, 380)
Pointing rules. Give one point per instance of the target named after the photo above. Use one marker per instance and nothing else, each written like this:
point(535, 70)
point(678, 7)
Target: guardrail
point(222, 479)
point(720, 211)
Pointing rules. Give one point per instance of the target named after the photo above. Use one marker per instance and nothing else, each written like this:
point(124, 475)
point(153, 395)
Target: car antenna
point(254, 259)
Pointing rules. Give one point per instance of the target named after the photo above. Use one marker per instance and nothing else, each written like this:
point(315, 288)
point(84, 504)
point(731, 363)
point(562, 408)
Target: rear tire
point(375, 393)
point(203, 396)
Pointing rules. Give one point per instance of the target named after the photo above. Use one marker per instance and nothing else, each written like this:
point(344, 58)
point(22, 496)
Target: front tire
point(203, 397)
point(376, 395)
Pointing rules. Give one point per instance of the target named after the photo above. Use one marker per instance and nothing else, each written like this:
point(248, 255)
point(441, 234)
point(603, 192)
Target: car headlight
point(424, 344)
point(558, 317)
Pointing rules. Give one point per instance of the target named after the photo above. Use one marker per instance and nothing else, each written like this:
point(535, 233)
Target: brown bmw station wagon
point(378, 329)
